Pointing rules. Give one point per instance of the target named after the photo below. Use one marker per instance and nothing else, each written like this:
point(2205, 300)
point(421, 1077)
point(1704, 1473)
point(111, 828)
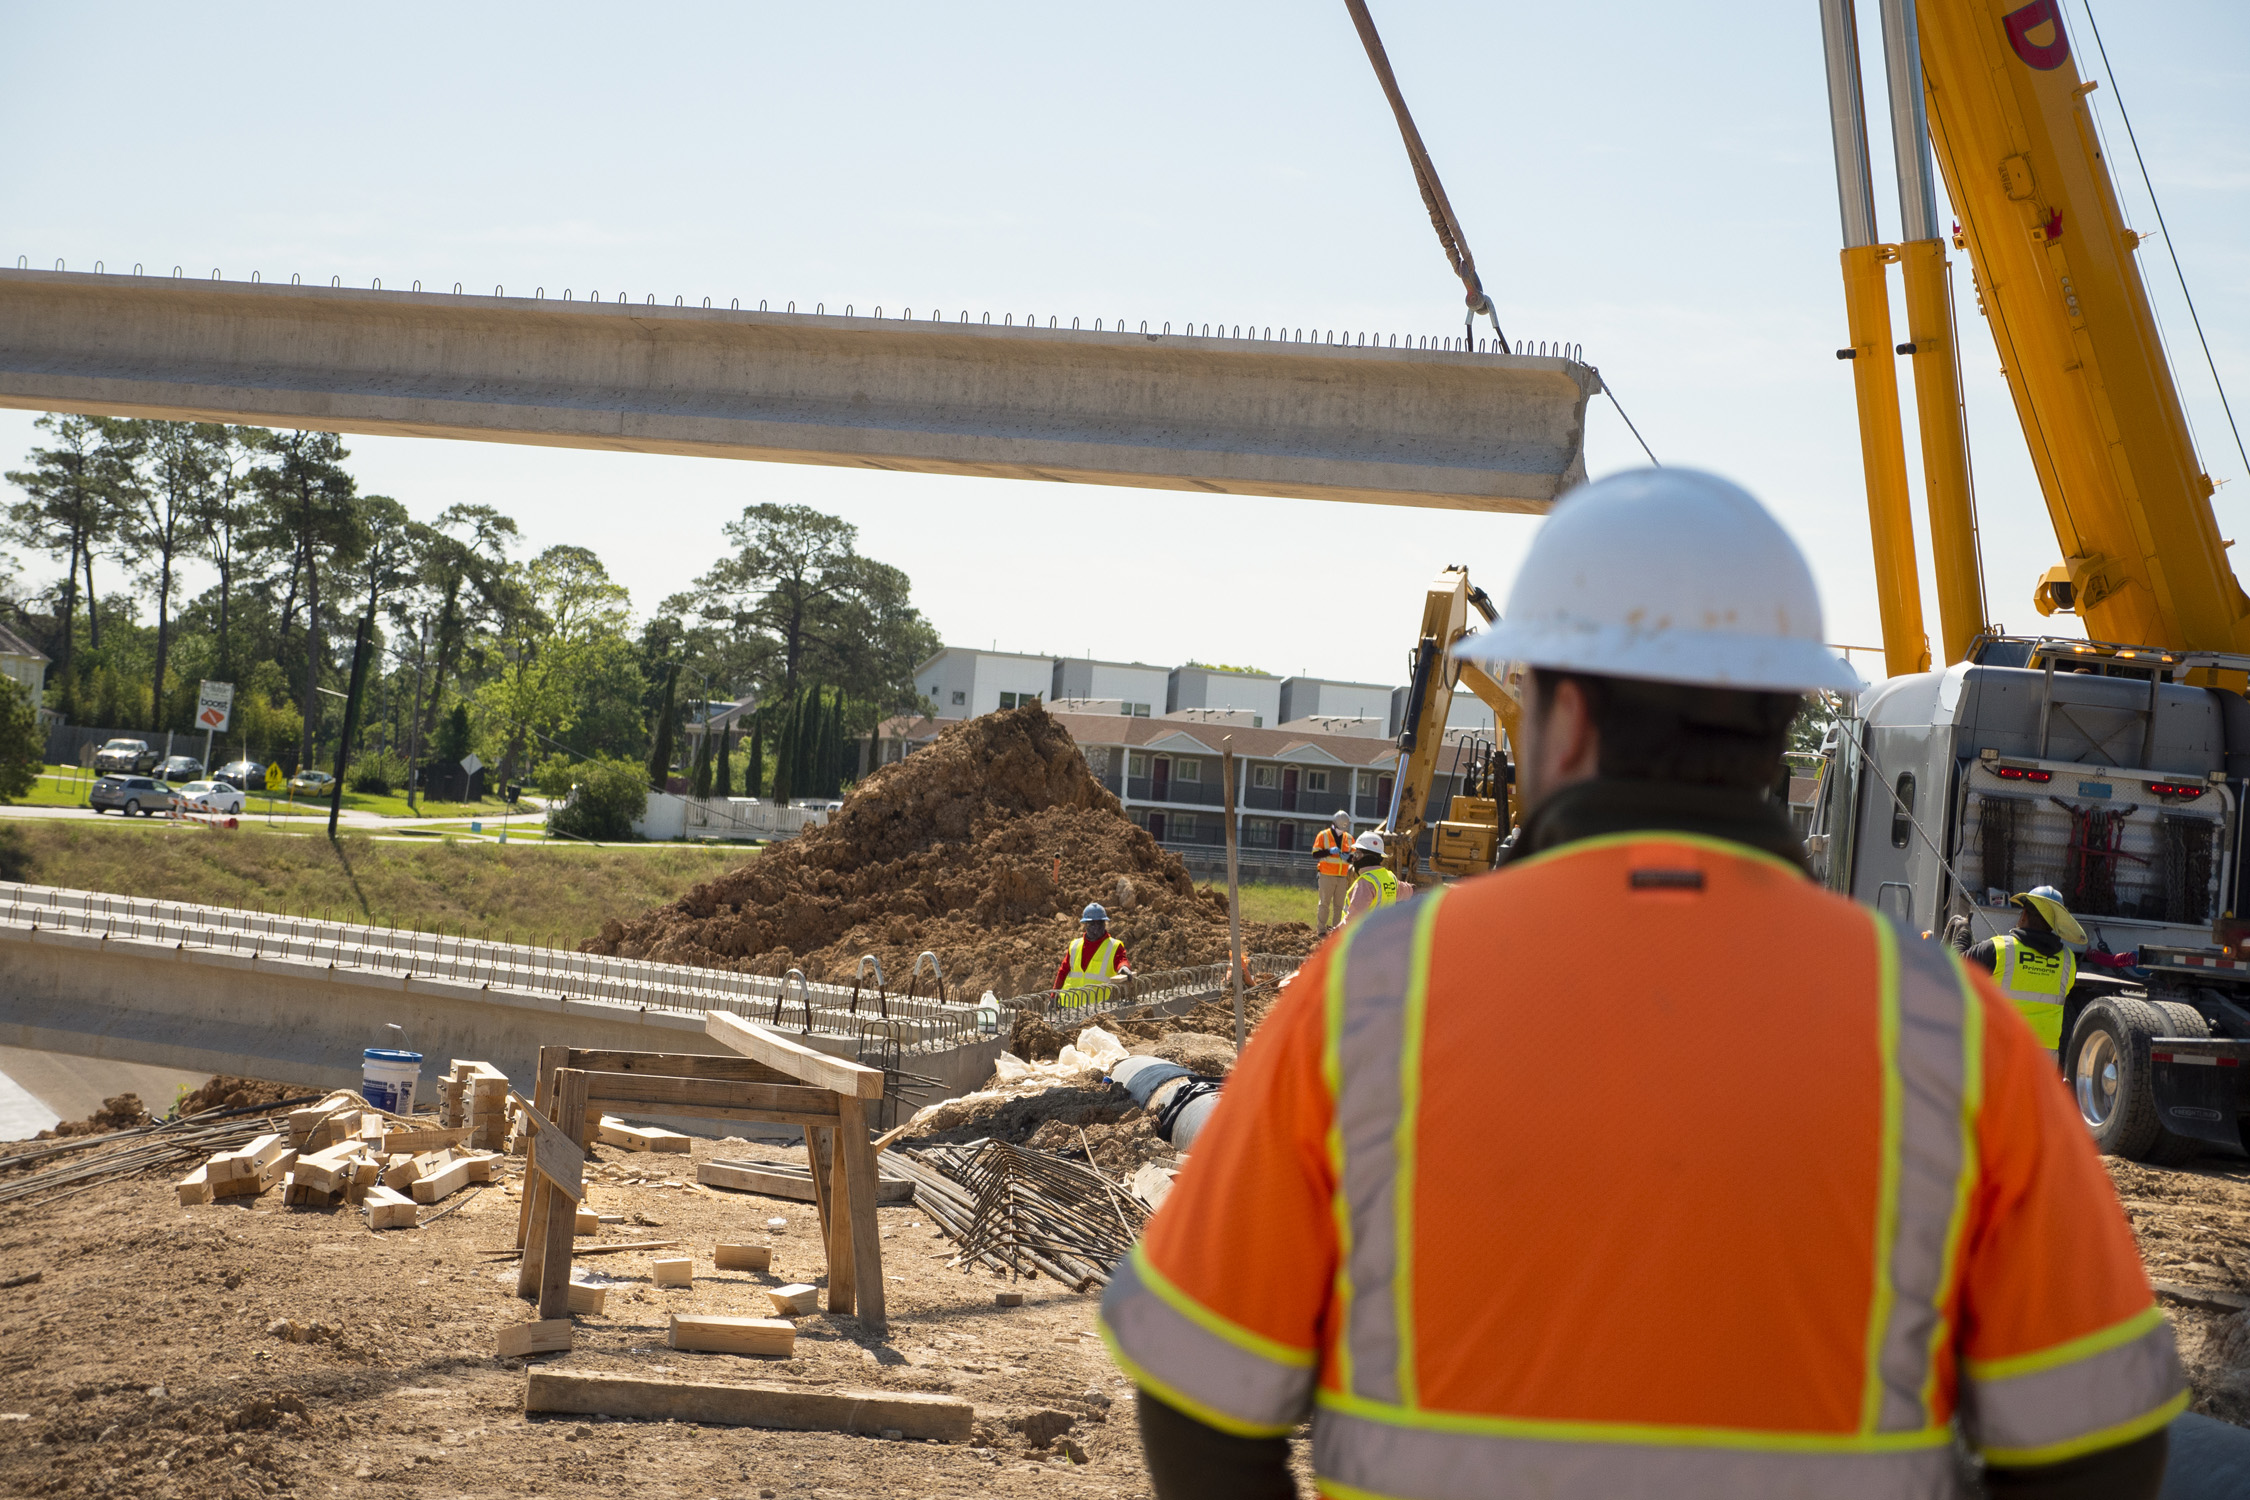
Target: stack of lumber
point(475, 1096)
point(388, 1172)
point(128, 1153)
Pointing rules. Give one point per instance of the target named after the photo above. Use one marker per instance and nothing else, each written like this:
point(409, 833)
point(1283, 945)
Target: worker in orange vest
point(1332, 846)
point(1794, 1209)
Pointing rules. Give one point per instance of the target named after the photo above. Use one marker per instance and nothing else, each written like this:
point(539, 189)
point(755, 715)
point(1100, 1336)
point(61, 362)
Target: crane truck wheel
point(2108, 1065)
point(2179, 1019)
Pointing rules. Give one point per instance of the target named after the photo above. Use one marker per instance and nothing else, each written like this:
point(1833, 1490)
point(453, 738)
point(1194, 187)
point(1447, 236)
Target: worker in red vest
point(1643, 1166)
point(1332, 846)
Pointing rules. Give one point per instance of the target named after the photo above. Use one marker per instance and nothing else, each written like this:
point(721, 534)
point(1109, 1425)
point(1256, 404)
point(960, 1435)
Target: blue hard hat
point(1093, 913)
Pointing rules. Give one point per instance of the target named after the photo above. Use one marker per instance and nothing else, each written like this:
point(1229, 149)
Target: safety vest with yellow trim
point(1335, 850)
point(1836, 1296)
point(1087, 983)
point(1384, 882)
point(2036, 983)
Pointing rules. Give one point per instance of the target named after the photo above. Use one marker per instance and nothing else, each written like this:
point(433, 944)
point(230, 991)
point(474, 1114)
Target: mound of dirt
point(224, 1092)
point(118, 1112)
point(982, 848)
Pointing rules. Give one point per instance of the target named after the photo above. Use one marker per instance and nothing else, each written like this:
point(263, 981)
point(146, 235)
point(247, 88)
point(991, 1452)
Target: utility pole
point(1234, 892)
point(351, 719)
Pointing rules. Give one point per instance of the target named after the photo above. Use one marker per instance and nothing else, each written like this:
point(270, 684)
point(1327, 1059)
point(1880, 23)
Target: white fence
point(670, 817)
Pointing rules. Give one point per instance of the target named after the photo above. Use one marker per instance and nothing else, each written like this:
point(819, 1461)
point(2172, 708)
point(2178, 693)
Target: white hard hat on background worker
point(1928, 1255)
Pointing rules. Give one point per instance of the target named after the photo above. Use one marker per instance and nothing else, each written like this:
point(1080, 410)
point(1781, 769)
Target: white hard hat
point(1341, 816)
point(1670, 575)
point(1369, 842)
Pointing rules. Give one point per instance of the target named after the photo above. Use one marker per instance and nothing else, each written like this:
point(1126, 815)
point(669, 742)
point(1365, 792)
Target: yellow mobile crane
point(2114, 768)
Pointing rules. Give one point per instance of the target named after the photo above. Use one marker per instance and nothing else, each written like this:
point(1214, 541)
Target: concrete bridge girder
point(1494, 432)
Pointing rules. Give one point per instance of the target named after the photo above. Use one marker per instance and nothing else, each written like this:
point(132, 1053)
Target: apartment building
point(965, 683)
point(1197, 686)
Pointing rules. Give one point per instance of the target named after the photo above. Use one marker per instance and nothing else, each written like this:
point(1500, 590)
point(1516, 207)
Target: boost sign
point(214, 705)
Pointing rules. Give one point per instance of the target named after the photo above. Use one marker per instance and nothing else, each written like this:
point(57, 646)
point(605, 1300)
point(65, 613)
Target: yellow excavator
point(1466, 840)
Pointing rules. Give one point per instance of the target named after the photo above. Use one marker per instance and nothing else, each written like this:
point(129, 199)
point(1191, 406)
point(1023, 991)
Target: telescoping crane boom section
point(2054, 270)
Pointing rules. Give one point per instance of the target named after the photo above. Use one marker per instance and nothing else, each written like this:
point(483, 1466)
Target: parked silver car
point(130, 757)
point(129, 795)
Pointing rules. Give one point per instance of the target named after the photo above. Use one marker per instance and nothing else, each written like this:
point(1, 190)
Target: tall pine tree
point(660, 754)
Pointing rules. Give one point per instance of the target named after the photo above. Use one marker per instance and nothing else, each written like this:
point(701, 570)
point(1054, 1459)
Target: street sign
point(275, 781)
point(214, 705)
point(471, 764)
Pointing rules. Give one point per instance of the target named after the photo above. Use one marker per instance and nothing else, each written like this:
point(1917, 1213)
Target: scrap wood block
point(329, 1171)
point(615, 1132)
point(249, 1161)
point(796, 1300)
point(484, 1167)
point(589, 1222)
point(195, 1187)
point(711, 1333)
point(549, 1336)
point(442, 1183)
point(585, 1300)
point(909, 1413)
point(743, 1257)
point(389, 1210)
point(258, 1181)
point(673, 1270)
point(414, 1142)
point(400, 1173)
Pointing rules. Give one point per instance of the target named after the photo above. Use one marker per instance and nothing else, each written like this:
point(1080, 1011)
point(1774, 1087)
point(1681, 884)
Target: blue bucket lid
point(383, 1054)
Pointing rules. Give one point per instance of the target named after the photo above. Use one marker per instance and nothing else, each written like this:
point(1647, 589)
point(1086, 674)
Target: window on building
point(1257, 721)
point(1140, 710)
point(1187, 768)
point(1133, 710)
point(1265, 776)
point(1316, 781)
point(960, 698)
point(1257, 831)
point(1182, 825)
point(1136, 764)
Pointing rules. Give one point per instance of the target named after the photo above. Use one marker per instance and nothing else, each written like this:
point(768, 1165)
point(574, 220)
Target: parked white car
point(209, 797)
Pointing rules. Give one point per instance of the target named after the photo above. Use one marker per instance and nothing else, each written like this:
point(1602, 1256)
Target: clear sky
point(1647, 178)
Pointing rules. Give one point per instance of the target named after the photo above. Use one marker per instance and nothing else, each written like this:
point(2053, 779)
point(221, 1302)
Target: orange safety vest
point(1339, 849)
point(1527, 1226)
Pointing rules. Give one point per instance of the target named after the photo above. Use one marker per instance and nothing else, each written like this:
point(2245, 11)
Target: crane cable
point(1451, 240)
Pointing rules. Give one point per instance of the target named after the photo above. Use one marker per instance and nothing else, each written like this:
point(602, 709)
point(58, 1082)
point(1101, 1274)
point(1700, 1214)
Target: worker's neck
point(1598, 805)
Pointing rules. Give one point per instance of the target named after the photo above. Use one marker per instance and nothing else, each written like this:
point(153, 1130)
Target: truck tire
point(2108, 1071)
point(2177, 1019)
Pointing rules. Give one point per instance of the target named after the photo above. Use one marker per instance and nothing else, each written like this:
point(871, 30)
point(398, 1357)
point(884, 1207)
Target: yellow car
point(311, 784)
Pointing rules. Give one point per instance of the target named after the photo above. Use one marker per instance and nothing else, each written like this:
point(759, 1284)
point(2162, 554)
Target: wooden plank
point(720, 1112)
point(389, 1210)
point(415, 1141)
point(330, 1171)
point(797, 1300)
point(843, 1271)
point(786, 1180)
point(550, 1060)
point(794, 1408)
point(547, 1336)
point(857, 1149)
point(710, 1333)
point(586, 1300)
point(2208, 1299)
point(819, 1147)
point(195, 1187)
point(554, 1272)
point(738, 1257)
point(616, 1132)
point(676, 1065)
point(694, 1095)
point(797, 1060)
point(443, 1183)
point(673, 1270)
point(557, 1157)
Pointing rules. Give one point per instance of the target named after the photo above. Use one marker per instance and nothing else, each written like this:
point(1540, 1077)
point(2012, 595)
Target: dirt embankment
point(982, 848)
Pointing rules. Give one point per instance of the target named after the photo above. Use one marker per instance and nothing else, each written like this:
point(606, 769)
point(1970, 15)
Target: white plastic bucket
point(387, 1079)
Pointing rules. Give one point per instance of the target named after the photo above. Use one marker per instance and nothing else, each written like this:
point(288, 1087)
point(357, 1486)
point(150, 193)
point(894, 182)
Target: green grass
point(555, 895)
point(1280, 903)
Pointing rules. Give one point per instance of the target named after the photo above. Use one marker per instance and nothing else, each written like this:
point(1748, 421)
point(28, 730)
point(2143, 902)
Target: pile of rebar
point(147, 1148)
point(1021, 1211)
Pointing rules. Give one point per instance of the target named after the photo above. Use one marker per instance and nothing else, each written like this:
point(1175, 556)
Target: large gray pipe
point(2210, 1461)
point(1153, 1082)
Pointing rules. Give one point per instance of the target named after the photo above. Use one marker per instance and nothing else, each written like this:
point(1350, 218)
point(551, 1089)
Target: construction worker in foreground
point(1093, 960)
point(1332, 846)
point(1373, 886)
point(2034, 964)
point(1643, 1168)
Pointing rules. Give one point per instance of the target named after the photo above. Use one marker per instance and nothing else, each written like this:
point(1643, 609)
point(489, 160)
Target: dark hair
point(1670, 731)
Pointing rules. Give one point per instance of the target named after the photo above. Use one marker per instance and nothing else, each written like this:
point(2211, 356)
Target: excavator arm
point(1465, 835)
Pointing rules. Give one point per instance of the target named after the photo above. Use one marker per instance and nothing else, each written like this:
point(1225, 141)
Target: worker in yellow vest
point(1095, 958)
point(1332, 846)
point(2034, 963)
point(1373, 886)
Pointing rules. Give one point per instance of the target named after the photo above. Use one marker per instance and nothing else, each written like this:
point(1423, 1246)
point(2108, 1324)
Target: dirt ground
point(2193, 1225)
point(141, 1363)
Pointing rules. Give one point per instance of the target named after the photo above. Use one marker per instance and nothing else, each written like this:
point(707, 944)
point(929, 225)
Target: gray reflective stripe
point(1189, 1363)
point(1416, 1463)
point(2047, 1408)
point(1370, 1042)
point(1932, 1072)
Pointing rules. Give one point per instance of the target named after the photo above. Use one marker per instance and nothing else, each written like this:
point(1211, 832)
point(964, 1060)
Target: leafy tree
point(158, 518)
point(226, 516)
point(565, 619)
point(23, 747)
point(660, 753)
point(609, 795)
point(457, 738)
point(70, 513)
point(308, 500)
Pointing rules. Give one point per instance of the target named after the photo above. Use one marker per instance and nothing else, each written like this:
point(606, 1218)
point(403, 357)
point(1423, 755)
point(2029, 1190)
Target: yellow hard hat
point(2048, 902)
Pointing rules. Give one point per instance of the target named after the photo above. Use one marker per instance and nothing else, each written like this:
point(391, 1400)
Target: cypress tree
point(784, 753)
point(723, 776)
point(835, 744)
point(701, 780)
point(660, 754)
point(754, 772)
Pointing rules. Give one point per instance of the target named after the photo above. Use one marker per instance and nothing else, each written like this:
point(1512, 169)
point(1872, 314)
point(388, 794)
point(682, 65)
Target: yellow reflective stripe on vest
point(1198, 1362)
point(2027, 974)
point(1096, 975)
point(1385, 883)
point(2107, 1387)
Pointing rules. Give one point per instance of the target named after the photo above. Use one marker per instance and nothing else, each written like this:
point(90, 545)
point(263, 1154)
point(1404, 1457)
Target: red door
point(1156, 823)
point(1288, 791)
point(1285, 834)
point(1160, 781)
point(1383, 785)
